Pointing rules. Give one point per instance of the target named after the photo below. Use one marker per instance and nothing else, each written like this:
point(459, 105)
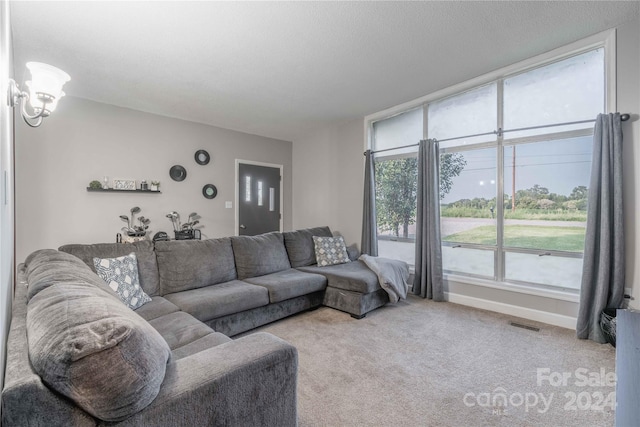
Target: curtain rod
point(623, 117)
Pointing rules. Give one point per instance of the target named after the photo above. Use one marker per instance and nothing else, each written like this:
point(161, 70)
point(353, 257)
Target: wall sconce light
point(45, 90)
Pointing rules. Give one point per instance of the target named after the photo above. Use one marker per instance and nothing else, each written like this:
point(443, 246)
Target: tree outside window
point(396, 191)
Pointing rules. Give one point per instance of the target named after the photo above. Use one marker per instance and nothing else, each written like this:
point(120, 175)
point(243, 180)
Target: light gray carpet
point(412, 364)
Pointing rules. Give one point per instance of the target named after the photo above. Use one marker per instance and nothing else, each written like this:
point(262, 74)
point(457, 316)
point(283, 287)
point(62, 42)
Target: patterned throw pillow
point(330, 250)
point(121, 274)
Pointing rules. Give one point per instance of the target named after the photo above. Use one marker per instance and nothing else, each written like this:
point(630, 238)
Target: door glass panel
point(397, 131)
point(468, 197)
point(549, 270)
point(478, 262)
point(247, 189)
point(272, 199)
point(565, 91)
point(259, 193)
point(468, 113)
point(546, 185)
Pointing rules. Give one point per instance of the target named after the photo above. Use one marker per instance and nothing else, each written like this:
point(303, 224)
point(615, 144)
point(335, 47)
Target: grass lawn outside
point(525, 236)
point(532, 214)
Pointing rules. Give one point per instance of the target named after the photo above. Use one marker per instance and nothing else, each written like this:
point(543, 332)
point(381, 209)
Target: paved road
point(450, 225)
point(457, 225)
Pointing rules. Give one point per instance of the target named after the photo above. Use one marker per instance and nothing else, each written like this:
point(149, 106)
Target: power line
point(555, 163)
point(532, 164)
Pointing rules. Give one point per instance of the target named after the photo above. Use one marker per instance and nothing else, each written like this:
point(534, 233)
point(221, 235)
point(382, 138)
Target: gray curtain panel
point(369, 244)
point(603, 268)
point(428, 277)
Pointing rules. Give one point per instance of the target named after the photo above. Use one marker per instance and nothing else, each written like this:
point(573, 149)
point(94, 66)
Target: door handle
point(243, 226)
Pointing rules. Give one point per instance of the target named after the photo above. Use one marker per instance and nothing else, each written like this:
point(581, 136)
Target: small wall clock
point(202, 157)
point(209, 191)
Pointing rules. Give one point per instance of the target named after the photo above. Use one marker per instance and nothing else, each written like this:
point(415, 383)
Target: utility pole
point(513, 180)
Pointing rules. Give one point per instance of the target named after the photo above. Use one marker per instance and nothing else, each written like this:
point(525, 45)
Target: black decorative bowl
point(177, 173)
point(188, 235)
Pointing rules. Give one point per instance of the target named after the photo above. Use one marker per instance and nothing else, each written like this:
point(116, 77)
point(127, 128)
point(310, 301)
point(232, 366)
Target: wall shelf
point(113, 190)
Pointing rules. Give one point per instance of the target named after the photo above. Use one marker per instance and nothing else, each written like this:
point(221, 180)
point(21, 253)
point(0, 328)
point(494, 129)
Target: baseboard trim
point(514, 310)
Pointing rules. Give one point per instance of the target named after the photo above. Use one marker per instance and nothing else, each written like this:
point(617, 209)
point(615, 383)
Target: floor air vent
point(520, 325)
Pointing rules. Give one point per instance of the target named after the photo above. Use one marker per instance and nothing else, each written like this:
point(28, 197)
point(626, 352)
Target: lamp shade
point(45, 85)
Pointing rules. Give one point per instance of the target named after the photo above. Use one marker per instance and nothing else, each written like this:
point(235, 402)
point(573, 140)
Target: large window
point(396, 183)
point(514, 175)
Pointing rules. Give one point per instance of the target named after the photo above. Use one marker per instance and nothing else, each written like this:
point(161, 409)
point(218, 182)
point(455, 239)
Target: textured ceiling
point(281, 69)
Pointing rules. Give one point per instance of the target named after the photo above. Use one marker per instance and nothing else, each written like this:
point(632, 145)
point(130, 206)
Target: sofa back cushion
point(300, 245)
point(94, 350)
point(191, 264)
point(259, 255)
point(46, 267)
point(147, 265)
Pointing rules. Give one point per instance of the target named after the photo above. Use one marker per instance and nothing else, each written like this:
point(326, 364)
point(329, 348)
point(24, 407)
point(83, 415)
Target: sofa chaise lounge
point(171, 361)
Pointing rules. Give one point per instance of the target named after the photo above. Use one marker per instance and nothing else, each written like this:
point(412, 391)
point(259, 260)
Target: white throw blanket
point(392, 275)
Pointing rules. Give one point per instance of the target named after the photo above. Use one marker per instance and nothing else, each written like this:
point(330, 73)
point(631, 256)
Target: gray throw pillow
point(145, 253)
point(300, 247)
point(121, 274)
point(92, 349)
point(330, 250)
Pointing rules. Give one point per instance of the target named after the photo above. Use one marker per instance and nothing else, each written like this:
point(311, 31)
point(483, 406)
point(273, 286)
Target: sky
point(559, 165)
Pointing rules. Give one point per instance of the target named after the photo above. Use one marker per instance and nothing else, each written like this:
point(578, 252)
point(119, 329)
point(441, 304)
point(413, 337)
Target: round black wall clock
point(209, 191)
point(202, 157)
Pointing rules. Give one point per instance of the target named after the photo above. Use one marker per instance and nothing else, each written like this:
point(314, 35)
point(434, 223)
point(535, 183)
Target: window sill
point(510, 287)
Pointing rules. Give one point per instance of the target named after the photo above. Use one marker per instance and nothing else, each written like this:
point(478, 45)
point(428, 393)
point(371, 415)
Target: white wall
point(85, 140)
point(328, 180)
point(328, 170)
point(628, 94)
point(6, 191)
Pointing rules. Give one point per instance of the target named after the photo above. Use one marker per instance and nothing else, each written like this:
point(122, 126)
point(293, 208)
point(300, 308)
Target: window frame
point(497, 247)
point(605, 40)
point(500, 249)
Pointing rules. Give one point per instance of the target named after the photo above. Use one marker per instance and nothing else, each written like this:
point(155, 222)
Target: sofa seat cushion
point(201, 344)
point(190, 264)
point(353, 276)
point(91, 348)
point(220, 300)
point(147, 265)
point(300, 245)
point(180, 328)
point(259, 255)
point(288, 284)
point(157, 307)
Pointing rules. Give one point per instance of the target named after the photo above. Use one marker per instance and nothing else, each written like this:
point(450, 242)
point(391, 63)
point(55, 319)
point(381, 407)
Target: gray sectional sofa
point(76, 355)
